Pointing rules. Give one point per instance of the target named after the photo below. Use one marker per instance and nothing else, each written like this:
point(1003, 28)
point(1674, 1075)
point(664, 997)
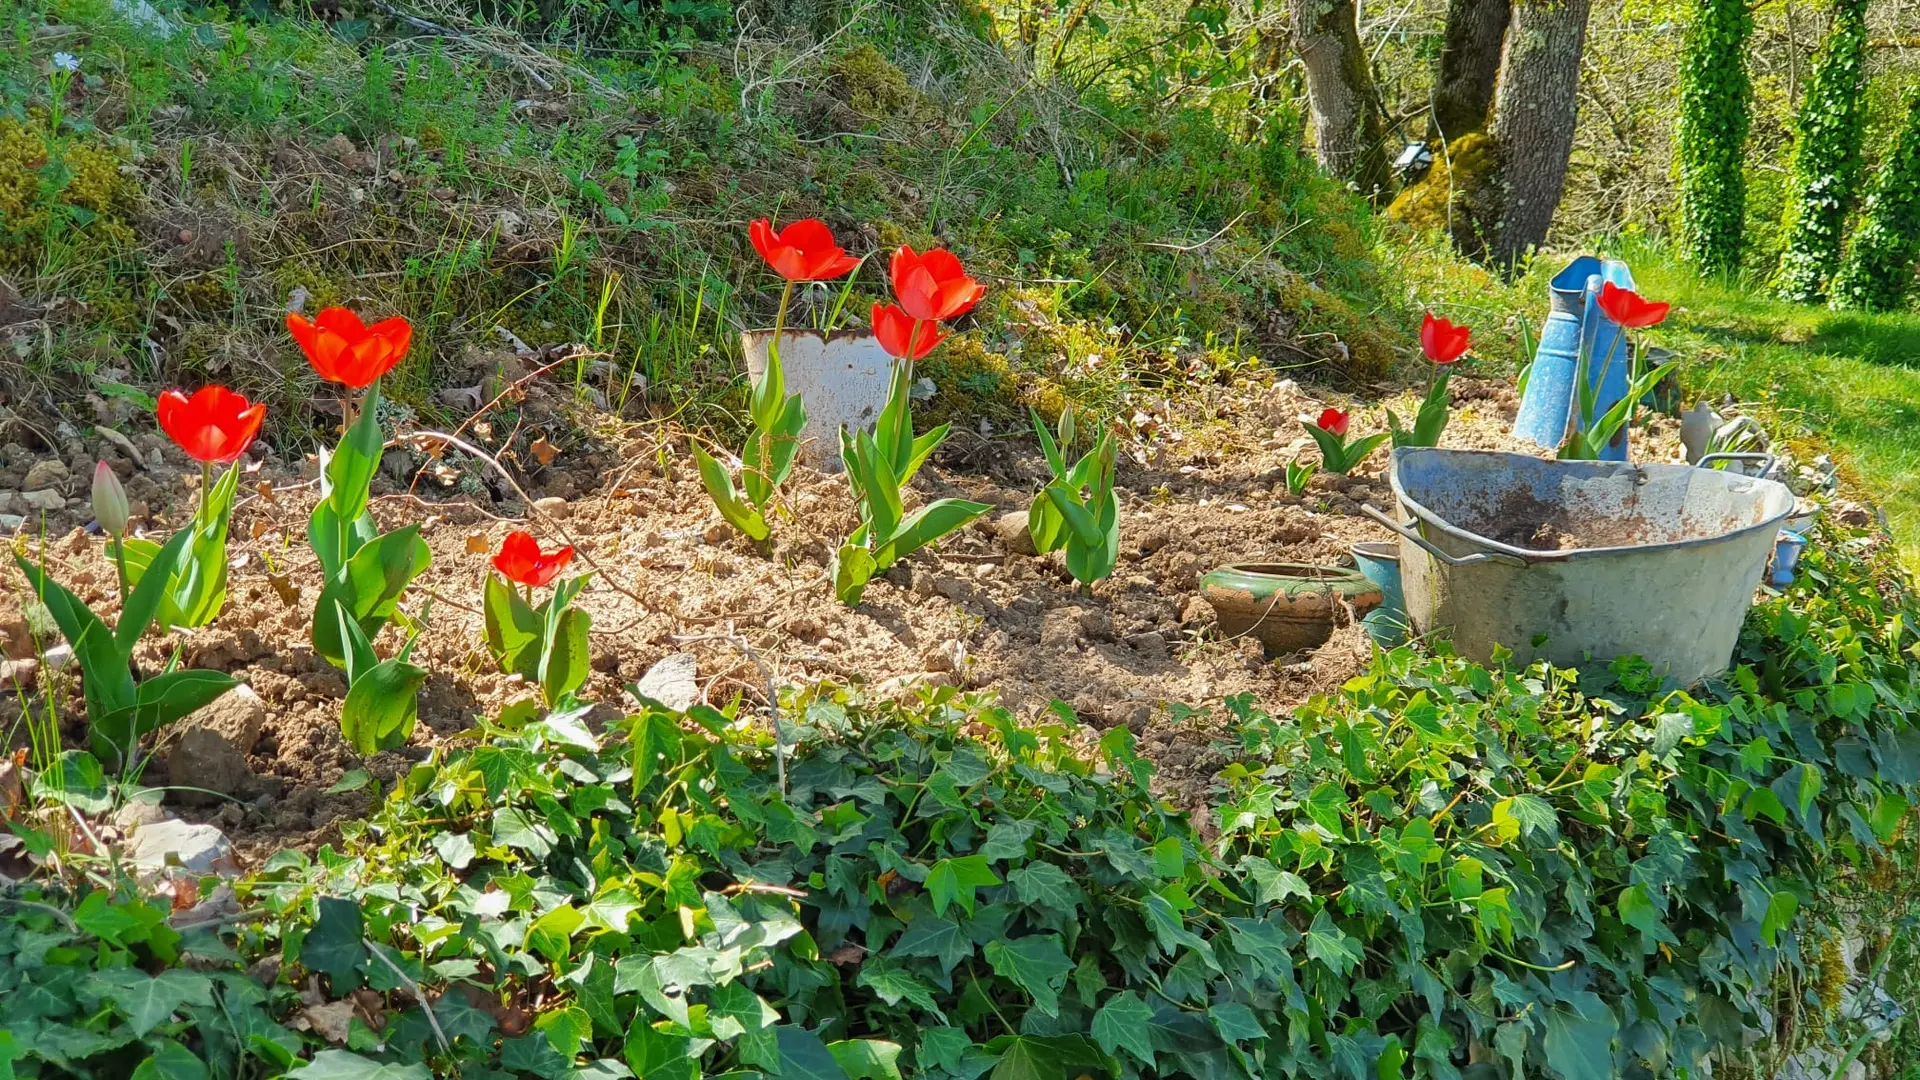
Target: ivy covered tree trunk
point(1536, 108)
point(1715, 112)
point(1878, 274)
point(1826, 158)
point(1468, 69)
point(1347, 133)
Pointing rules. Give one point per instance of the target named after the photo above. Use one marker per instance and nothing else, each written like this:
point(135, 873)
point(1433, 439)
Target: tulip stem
point(206, 487)
point(120, 564)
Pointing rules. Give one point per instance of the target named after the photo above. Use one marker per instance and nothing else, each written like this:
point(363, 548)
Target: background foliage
point(1715, 114)
point(1826, 159)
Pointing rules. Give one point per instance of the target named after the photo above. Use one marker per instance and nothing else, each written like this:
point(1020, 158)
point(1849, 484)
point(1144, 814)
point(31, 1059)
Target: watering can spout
point(1575, 327)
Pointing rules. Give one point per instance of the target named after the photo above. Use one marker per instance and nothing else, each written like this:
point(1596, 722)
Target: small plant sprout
point(1079, 509)
point(119, 708)
point(1444, 344)
point(1299, 473)
point(1591, 435)
point(1337, 455)
point(882, 462)
point(545, 644)
point(803, 251)
point(214, 426)
point(366, 571)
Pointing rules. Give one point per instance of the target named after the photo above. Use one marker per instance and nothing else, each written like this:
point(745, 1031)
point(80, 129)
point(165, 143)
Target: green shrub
point(1878, 273)
point(1826, 158)
point(1715, 112)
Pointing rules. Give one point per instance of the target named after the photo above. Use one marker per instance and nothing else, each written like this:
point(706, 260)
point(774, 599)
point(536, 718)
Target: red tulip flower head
point(1334, 422)
point(1442, 341)
point(933, 286)
point(898, 332)
point(803, 251)
point(214, 426)
point(523, 563)
point(1629, 309)
point(342, 349)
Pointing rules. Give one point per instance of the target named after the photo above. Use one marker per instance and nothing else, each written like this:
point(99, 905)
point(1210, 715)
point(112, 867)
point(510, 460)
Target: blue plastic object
point(1575, 325)
point(1786, 558)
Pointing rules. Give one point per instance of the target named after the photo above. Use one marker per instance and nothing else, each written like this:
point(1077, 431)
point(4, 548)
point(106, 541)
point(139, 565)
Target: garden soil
point(670, 578)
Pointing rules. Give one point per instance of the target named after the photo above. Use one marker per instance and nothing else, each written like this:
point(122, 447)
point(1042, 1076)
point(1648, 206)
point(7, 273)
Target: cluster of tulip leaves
point(1079, 509)
point(767, 457)
point(544, 644)
point(366, 573)
point(121, 708)
point(880, 463)
point(1555, 873)
point(197, 588)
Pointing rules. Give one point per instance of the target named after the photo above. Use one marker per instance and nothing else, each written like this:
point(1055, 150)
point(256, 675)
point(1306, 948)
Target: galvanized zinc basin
point(1582, 560)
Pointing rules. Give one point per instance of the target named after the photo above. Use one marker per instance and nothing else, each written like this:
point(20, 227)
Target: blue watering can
point(1575, 325)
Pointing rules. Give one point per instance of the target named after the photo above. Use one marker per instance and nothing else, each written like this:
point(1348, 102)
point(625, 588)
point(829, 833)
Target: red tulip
point(344, 350)
point(523, 563)
point(803, 251)
point(214, 426)
point(899, 331)
point(1442, 341)
point(1628, 308)
point(1333, 421)
point(933, 286)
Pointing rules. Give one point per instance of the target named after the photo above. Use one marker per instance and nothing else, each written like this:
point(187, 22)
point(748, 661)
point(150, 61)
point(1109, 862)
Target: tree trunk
point(1536, 108)
point(1469, 66)
point(1715, 113)
point(1347, 135)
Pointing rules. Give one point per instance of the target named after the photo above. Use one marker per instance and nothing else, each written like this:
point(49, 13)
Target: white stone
point(672, 682)
point(48, 499)
point(198, 849)
point(52, 472)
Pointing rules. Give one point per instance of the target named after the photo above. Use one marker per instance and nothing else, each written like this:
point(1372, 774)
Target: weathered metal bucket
point(841, 377)
point(1582, 560)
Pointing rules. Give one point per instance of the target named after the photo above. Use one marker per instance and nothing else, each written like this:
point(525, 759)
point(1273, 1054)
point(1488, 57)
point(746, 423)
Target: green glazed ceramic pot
point(1289, 607)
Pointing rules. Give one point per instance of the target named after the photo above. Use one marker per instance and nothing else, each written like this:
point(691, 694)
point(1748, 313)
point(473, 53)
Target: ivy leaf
point(1332, 946)
point(894, 984)
point(1781, 908)
point(149, 1000)
point(1579, 1044)
point(802, 1056)
point(1046, 886)
point(170, 1061)
point(566, 1029)
point(336, 946)
point(346, 1065)
point(514, 829)
point(611, 909)
point(941, 1048)
point(1008, 839)
point(1035, 963)
point(956, 879)
point(1125, 1022)
point(455, 849)
point(734, 1009)
point(1273, 884)
point(935, 938)
point(867, 1059)
point(1235, 1022)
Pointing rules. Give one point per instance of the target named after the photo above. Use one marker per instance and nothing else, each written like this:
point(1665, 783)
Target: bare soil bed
point(670, 578)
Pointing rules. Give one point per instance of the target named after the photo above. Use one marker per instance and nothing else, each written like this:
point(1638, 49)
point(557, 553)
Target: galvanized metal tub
point(1577, 561)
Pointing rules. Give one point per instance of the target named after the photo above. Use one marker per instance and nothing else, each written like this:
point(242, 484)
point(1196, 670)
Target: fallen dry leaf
point(331, 1021)
point(260, 527)
point(543, 451)
point(264, 489)
point(477, 543)
point(289, 592)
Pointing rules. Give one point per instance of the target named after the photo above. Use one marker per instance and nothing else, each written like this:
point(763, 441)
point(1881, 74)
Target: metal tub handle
point(1764, 459)
point(1412, 534)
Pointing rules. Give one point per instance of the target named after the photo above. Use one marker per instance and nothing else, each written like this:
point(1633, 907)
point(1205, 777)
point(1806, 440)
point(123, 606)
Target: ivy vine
point(1715, 113)
point(1878, 273)
point(1826, 159)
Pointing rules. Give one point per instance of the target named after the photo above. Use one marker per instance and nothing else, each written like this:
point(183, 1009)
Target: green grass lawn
point(1847, 380)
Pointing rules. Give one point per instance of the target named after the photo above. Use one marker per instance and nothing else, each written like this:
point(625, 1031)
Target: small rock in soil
point(139, 811)
point(199, 849)
point(44, 500)
point(552, 504)
point(58, 657)
point(673, 682)
point(202, 758)
point(236, 716)
point(45, 474)
point(11, 522)
point(1012, 531)
point(1149, 644)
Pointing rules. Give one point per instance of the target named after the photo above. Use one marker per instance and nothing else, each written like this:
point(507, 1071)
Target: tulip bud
point(109, 501)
